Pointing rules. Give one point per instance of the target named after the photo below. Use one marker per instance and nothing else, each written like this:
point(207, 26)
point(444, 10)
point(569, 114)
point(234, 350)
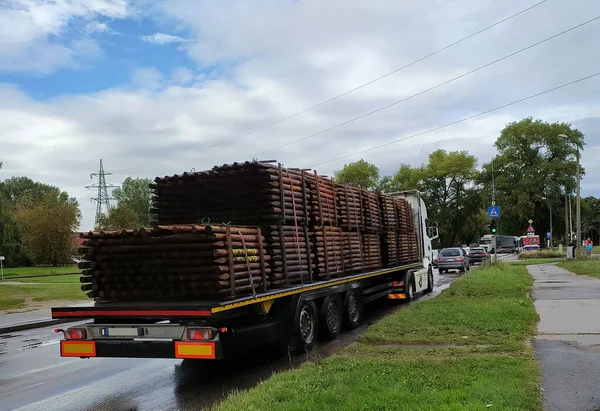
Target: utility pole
point(102, 199)
point(493, 204)
point(567, 239)
point(579, 243)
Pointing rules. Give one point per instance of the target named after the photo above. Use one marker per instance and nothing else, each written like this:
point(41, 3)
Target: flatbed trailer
point(290, 318)
point(208, 329)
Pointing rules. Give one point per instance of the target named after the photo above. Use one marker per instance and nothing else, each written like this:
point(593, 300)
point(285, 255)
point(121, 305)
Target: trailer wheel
point(353, 307)
point(331, 316)
point(429, 280)
point(307, 323)
point(410, 287)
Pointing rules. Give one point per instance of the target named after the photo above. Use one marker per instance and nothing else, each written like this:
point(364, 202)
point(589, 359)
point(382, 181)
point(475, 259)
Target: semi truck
point(504, 243)
point(291, 318)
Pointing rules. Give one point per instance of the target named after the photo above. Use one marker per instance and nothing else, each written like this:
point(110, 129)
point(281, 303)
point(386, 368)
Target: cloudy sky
point(161, 87)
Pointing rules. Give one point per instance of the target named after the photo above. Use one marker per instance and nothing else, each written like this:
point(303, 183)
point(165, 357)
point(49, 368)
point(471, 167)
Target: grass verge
point(13, 296)
point(589, 267)
point(13, 273)
point(531, 255)
point(464, 350)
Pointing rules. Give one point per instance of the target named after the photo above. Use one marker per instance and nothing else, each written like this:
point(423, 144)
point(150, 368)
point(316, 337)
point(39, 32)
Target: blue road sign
point(494, 212)
point(548, 235)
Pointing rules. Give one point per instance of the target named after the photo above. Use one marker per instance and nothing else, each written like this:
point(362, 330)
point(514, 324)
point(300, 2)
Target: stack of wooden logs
point(243, 193)
point(351, 215)
point(291, 260)
point(328, 249)
point(248, 228)
point(174, 262)
point(323, 201)
point(400, 241)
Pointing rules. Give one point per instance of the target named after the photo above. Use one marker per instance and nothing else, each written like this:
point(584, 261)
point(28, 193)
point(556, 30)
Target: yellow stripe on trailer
point(309, 288)
point(401, 296)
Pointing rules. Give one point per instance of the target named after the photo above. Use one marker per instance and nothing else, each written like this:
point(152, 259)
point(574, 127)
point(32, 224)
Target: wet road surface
point(34, 377)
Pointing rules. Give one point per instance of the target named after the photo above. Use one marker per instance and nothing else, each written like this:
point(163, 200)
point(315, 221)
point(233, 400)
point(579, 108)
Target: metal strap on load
point(248, 264)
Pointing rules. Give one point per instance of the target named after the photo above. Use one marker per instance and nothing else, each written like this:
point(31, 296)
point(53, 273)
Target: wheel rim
point(410, 291)
point(353, 308)
point(333, 317)
point(307, 325)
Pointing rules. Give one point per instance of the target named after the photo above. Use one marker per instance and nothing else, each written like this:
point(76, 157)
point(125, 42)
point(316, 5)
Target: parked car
point(453, 259)
point(477, 255)
point(435, 254)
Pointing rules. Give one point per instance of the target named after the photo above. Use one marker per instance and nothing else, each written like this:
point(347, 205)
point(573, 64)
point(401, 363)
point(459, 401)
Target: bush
point(528, 255)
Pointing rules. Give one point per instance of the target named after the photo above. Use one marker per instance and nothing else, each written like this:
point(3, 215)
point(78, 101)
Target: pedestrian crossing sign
point(493, 212)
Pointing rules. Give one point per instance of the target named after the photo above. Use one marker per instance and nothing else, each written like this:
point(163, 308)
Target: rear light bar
point(73, 333)
point(203, 333)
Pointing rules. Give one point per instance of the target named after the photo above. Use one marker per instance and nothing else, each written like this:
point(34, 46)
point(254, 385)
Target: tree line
point(533, 171)
point(39, 222)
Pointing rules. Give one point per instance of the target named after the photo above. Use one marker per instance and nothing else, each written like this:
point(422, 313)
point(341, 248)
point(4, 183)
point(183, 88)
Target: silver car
point(453, 259)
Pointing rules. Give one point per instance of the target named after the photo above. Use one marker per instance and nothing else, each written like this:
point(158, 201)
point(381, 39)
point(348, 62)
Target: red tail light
point(484, 254)
point(440, 259)
point(200, 333)
point(460, 259)
point(75, 334)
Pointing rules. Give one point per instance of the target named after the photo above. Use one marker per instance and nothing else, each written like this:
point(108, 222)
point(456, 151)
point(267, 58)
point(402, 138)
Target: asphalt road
point(34, 377)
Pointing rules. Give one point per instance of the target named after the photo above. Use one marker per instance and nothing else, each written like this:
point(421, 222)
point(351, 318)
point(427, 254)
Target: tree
point(447, 184)
point(14, 191)
point(120, 217)
point(360, 174)
point(590, 218)
point(533, 169)
point(135, 196)
point(47, 227)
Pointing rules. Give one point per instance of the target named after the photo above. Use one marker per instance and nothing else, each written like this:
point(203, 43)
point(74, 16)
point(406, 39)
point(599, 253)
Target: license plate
point(450, 259)
point(121, 332)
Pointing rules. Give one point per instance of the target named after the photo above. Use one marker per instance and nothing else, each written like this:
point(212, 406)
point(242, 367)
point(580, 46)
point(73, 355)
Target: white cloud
point(97, 27)
point(163, 38)
point(146, 78)
point(30, 31)
point(159, 119)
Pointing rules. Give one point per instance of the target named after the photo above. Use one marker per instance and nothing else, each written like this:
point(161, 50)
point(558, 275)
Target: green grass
point(344, 383)
point(490, 307)
point(589, 267)
point(531, 255)
point(13, 296)
point(11, 273)
point(471, 356)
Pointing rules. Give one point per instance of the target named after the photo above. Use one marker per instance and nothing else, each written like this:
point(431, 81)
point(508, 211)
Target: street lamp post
point(551, 232)
point(578, 243)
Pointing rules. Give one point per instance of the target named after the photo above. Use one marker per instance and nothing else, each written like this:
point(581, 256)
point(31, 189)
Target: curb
point(32, 325)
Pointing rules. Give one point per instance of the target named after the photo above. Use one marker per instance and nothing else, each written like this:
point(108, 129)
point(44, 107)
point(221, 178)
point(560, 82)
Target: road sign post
point(2, 267)
point(493, 212)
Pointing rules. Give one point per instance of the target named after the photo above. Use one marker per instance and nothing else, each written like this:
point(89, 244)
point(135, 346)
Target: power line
point(462, 119)
point(360, 47)
point(340, 95)
point(429, 89)
point(282, 85)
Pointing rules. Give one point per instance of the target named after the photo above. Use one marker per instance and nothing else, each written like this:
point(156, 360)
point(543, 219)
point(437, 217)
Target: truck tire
point(429, 280)
point(331, 316)
point(353, 306)
point(305, 327)
point(409, 287)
